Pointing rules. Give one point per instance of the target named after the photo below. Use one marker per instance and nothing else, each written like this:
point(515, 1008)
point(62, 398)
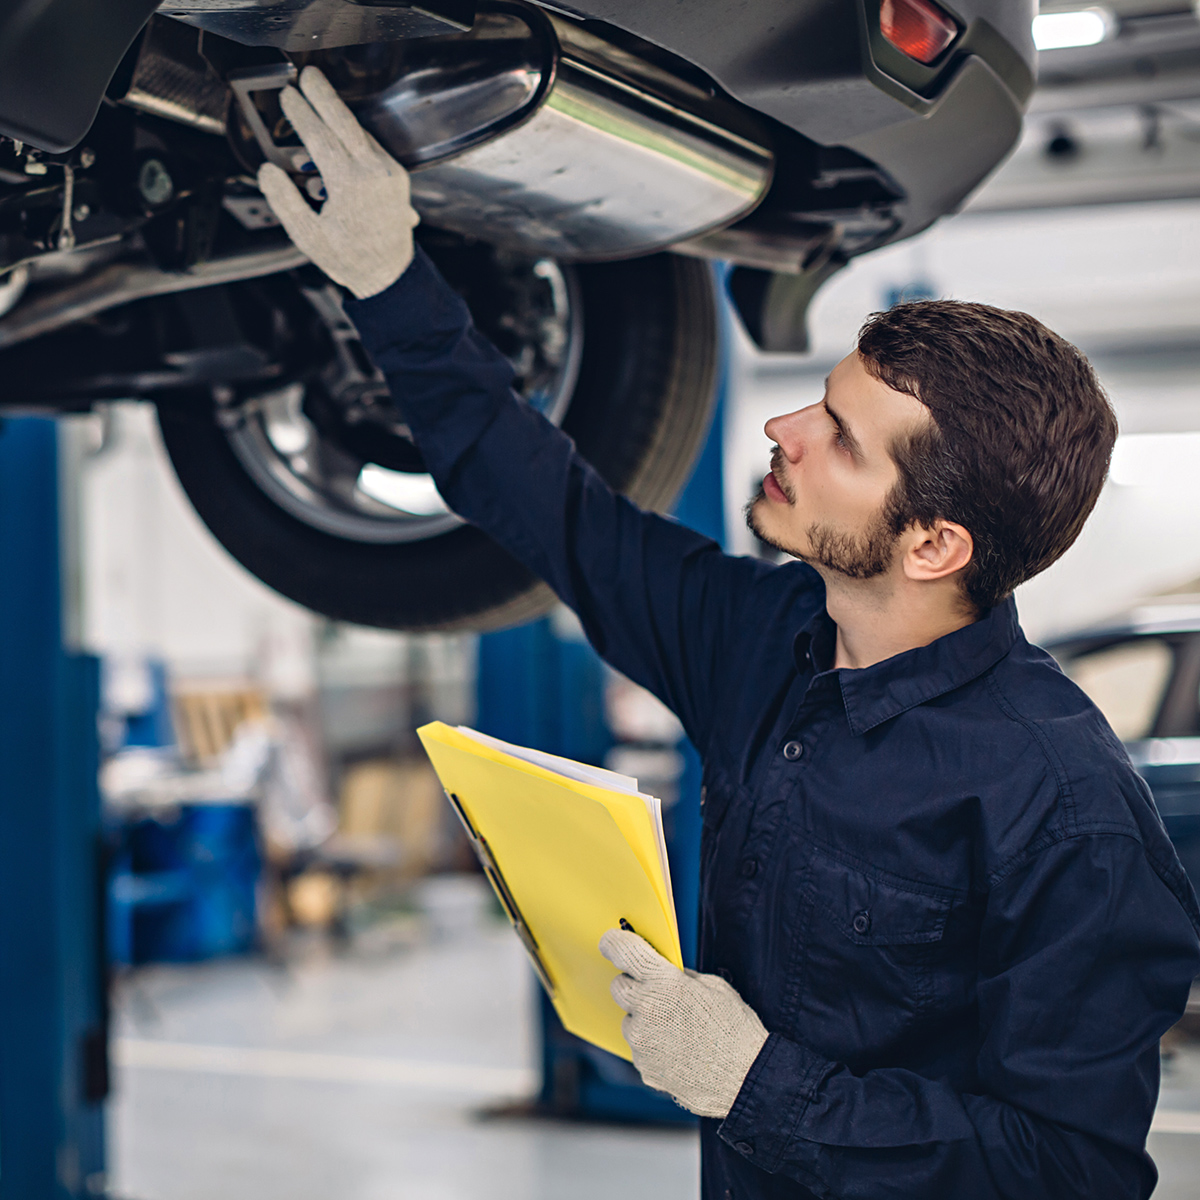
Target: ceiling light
point(1086, 27)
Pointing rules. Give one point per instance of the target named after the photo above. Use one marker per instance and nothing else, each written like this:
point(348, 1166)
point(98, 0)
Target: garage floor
point(363, 1076)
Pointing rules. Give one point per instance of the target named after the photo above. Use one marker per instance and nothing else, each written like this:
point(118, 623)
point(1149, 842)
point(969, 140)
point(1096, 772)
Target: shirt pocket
point(873, 954)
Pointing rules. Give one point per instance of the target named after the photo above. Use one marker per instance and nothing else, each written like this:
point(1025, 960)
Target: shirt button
point(792, 751)
point(725, 974)
point(749, 868)
point(746, 1148)
point(862, 922)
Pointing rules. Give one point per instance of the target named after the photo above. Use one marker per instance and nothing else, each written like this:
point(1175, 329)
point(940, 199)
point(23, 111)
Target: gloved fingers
point(626, 992)
point(332, 109)
point(328, 153)
point(635, 956)
point(632, 1030)
point(293, 211)
point(645, 1064)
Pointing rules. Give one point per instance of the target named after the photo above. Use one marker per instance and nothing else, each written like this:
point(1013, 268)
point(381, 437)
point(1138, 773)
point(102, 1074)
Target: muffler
point(531, 132)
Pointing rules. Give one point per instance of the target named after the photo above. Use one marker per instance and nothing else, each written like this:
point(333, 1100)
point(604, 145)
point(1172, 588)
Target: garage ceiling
point(1111, 123)
point(1153, 56)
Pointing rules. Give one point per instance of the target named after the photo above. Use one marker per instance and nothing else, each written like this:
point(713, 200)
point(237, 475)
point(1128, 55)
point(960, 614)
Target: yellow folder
point(571, 851)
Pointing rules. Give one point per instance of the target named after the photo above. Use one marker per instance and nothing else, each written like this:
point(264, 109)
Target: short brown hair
point(1020, 440)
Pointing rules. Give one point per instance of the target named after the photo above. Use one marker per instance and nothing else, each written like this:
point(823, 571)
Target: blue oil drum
point(185, 885)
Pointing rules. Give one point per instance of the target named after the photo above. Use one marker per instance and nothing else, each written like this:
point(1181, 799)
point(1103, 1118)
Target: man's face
point(825, 497)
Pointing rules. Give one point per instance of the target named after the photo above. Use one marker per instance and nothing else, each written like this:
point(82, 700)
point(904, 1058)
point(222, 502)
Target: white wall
point(156, 583)
point(1123, 282)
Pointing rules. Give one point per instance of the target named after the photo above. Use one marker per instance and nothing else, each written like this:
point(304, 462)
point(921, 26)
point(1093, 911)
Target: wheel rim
point(312, 445)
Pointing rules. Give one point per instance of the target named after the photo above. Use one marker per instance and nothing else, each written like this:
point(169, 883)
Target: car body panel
point(1166, 753)
point(818, 68)
point(56, 59)
point(811, 65)
point(1171, 767)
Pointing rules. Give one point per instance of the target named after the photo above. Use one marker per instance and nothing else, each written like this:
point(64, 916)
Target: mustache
point(777, 461)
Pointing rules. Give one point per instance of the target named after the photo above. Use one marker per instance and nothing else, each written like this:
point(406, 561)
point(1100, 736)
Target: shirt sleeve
point(657, 600)
point(1087, 958)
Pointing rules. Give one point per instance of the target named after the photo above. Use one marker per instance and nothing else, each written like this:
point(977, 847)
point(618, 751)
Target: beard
point(864, 555)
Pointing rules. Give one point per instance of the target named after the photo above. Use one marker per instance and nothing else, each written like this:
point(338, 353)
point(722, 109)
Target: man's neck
point(880, 618)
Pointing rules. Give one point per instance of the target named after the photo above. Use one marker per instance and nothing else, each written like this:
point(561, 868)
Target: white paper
point(580, 772)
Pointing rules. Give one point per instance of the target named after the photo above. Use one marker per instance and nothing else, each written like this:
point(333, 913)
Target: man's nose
point(787, 432)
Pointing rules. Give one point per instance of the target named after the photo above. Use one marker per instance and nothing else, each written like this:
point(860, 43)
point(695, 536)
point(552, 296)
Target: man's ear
point(937, 552)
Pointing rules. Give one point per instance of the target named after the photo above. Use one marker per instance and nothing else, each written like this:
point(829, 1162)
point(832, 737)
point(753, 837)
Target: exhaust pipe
point(526, 131)
point(532, 133)
point(122, 283)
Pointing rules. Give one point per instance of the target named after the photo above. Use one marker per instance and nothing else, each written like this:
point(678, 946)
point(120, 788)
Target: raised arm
point(657, 600)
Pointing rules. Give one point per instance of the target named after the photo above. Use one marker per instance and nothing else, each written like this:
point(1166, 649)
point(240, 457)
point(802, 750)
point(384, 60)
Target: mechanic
point(942, 928)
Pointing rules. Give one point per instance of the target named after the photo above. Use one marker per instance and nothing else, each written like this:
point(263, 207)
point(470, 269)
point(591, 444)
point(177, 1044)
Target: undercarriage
point(556, 158)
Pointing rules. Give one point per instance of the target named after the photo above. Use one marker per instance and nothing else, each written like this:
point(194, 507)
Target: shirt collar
point(877, 693)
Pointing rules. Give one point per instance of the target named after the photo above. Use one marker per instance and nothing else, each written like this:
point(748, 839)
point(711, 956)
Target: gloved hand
point(362, 237)
point(691, 1035)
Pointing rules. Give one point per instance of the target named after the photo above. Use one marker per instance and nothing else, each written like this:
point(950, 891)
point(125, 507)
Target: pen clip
point(461, 813)
point(500, 886)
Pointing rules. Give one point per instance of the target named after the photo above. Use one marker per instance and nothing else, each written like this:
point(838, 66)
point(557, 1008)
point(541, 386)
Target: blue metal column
point(53, 1061)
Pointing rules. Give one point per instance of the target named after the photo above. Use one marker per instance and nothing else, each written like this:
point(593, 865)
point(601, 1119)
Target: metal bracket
point(245, 81)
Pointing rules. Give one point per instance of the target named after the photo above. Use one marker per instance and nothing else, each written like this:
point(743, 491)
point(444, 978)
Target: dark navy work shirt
point(937, 880)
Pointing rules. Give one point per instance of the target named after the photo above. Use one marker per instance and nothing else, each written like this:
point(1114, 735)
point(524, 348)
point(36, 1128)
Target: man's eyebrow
point(852, 443)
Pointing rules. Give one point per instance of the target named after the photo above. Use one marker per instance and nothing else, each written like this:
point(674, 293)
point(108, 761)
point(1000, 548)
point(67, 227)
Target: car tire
point(639, 413)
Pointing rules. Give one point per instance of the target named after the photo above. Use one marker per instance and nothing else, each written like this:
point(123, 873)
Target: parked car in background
point(1143, 672)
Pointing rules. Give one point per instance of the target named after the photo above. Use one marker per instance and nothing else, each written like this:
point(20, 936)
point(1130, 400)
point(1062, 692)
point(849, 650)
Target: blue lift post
point(539, 689)
point(53, 1007)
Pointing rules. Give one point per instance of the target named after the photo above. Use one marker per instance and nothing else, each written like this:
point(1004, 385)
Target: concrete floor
point(362, 1076)
point(1175, 1142)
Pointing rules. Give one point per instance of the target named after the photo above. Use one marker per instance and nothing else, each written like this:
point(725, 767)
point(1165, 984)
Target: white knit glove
point(691, 1035)
point(362, 237)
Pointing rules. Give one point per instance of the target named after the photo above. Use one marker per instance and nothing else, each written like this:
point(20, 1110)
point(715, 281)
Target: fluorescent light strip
point(1060, 30)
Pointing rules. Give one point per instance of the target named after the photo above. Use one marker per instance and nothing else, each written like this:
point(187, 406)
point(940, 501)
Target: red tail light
point(917, 28)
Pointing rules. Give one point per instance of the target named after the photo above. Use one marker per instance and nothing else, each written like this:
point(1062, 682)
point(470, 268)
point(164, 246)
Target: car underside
point(578, 170)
